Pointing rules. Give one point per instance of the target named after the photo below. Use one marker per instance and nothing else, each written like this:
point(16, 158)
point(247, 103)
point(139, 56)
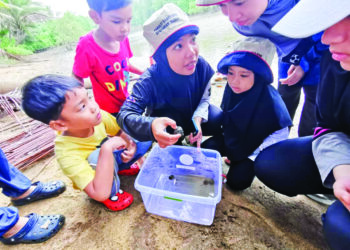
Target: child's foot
point(133, 170)
point(119, 202)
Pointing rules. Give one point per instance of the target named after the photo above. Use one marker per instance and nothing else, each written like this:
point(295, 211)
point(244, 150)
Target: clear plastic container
point(181, 183)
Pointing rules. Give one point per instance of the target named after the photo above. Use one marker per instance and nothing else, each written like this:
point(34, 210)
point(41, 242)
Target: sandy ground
point(256, 218)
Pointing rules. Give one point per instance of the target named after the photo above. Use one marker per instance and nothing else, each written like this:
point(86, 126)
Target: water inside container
point(187, 184)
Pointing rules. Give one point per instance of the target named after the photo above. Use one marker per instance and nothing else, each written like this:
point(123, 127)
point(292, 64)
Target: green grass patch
point(48, 34)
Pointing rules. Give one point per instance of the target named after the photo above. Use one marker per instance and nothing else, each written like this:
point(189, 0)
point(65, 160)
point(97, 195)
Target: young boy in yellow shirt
point(87, 137)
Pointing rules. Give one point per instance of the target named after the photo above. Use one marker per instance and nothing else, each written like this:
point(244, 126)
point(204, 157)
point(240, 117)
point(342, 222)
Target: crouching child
point(90, 147)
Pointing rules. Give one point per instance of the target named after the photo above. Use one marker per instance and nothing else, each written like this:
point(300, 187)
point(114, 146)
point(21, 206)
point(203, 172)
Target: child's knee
point(239, 184)
point(93, 158)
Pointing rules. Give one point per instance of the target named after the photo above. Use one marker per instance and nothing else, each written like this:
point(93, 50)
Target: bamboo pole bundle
point(26, 148)
point(34, 141)
point(14, 126)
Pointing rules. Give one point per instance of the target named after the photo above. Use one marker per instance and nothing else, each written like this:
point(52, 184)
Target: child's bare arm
point(135, 70)
point(100, 187)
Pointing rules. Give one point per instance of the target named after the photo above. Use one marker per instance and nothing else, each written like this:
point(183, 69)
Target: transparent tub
point(181, 183)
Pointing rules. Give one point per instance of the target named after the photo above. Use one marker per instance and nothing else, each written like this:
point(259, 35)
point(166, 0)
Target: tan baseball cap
point(309, 17)
point(165, 22)
point(260, 46)
point(210, 2)
point(253, 53)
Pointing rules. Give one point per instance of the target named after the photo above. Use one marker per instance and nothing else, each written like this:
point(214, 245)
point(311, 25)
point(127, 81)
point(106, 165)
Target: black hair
point(107, 5)
point(43, 97)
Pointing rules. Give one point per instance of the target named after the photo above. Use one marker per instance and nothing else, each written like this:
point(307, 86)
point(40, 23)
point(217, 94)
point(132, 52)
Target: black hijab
point(250, 117)
point(177, 96)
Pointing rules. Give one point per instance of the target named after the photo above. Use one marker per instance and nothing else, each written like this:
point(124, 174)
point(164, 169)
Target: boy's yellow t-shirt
point(72, 152)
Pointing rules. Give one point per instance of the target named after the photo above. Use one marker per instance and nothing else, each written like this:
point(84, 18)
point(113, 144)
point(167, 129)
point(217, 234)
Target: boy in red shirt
point(103, 54)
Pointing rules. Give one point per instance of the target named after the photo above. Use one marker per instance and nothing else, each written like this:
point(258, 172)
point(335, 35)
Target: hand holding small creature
point(163, 138)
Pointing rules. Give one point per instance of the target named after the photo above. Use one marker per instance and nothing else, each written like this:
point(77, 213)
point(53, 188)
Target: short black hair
point(43, 97)
point(107, 5)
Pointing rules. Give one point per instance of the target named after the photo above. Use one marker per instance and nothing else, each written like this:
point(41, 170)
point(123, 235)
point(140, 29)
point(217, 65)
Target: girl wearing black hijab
point(254, 114)
point(175, 90)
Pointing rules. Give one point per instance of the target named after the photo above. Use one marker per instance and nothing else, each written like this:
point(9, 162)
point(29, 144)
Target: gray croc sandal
point(42, 191)
point(37, 229)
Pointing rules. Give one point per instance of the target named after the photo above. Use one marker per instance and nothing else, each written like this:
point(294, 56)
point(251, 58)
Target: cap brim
point(248, 60)
point(181, 31)
point(309, 17)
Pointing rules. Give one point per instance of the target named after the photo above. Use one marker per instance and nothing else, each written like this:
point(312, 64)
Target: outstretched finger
point(173, 138)
point(191, 138)
point(198, 144)
point(285, 81)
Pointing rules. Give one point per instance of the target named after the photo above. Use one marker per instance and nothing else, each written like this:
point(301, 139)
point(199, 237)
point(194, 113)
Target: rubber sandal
point(42, 191)
point(133, 170)
point(224, 178)
point(37, 229)
point(119, 202)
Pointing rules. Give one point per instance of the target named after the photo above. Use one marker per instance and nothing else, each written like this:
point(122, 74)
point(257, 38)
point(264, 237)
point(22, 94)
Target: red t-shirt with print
point(108, 72)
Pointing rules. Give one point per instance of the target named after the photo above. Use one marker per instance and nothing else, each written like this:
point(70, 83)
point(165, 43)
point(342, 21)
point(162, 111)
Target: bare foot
point(16, 228)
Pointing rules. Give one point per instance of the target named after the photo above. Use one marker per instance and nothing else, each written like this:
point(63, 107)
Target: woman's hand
point(341, 186)
point(342, 191)
point(163, 138)
point(295, 73)
point(198, 137)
